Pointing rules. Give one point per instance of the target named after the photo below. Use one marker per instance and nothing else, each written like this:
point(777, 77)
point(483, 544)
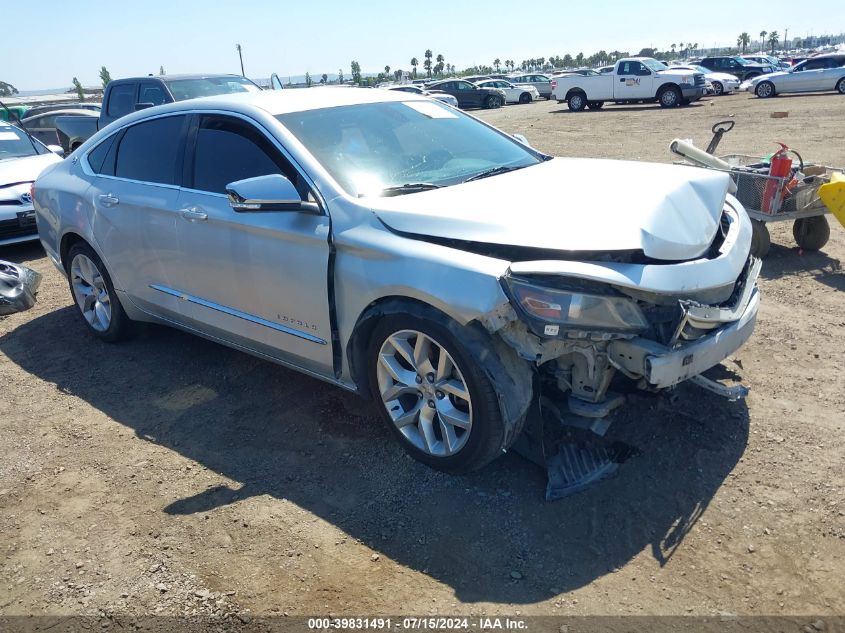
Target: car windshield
point(14, 143)
point(742, 62)
point(653, 65)
point(377, 149)
point(209, 87)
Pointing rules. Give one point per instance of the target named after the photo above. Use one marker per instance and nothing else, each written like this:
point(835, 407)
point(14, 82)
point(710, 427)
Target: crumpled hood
point(669, 212)
point(25, 169)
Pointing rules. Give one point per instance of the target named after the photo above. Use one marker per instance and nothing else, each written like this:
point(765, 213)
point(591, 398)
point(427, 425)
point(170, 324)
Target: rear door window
point(151, 151)
point(121, 100)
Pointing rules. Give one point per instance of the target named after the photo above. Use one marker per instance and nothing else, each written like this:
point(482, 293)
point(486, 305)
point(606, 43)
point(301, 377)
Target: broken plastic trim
point(18, 287)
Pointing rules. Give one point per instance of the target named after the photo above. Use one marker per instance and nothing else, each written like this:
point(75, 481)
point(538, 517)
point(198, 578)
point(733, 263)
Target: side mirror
point(57, 149)
point(143, 106)
point(273, 192)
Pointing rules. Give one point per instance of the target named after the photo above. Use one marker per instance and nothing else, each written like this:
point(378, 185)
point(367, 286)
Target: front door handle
point(108, 200)
point(194, 214)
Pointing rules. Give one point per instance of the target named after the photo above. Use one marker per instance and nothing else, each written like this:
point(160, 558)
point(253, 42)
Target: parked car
point(22, 158)
point(73, 105)
point(634, 79)
point(525, 93)
point(43, 126)
point(123, 96)
point(823, 72)
point(468, 94)
point(542, 83)
point(723, 83)
point(737, 66)
point(476, 78)
point(767, 60)
point(434, 94)
point(415, 232)
point(606, 69)
point(10, 112)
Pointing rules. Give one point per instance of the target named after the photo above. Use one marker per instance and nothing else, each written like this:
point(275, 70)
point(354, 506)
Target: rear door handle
point(108, 200)
point(194, 214)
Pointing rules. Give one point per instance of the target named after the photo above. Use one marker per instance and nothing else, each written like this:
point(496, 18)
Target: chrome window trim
point(246, 316)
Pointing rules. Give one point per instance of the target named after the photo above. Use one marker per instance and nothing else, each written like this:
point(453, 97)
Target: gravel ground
point(170, 475)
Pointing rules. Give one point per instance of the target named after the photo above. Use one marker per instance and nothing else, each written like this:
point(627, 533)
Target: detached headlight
point(551, 309)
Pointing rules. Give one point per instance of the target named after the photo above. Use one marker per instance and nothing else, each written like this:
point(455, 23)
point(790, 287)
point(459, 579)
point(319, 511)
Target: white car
point(434, 94)
point(22, 159)
point(823, 72)
point(514, 93)
point(723, 83)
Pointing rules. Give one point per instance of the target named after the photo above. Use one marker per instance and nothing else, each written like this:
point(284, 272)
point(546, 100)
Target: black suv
point(740, 68)
point(469, 95)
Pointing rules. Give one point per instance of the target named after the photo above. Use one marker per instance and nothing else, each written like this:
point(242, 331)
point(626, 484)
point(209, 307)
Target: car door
point(633, 81)
point(834, 73)
point(256, 279)
point(135, 197)
point(543, 84)
point(467, 94)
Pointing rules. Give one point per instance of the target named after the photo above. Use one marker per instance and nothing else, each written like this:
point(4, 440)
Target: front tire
point(492, 102)
point(436, 401)
point(577, 102)
point(525, 98)
point(840, 87)
point(765, 89)
point(669, 97)
point(718, 89)
point(811, 234)
point(761, 241)
point(93, 292)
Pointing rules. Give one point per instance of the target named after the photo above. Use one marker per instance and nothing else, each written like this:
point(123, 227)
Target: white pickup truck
point(634, 79)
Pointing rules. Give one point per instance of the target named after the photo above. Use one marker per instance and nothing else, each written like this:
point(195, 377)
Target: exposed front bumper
point(692, 92)
point(663, 366)
point(17, 224)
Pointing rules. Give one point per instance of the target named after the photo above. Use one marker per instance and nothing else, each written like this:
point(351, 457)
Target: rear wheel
point(760, 239)
point(525, 98)
point(93, 292)
point(493, 102)
point(669, 97)
point(811, 234)
point(718, 88)
point(437, 402)
point(765, 89)
point(595, 105)
point(840, 87)
point(577, 101)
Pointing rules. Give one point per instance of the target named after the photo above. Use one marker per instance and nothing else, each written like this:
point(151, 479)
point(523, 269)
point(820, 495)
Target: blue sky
point(75, 37)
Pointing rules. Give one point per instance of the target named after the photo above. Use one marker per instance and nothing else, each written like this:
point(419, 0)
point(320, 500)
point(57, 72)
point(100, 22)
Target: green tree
point(742, 41)
point(387, 71)
point(308, 81)
point(567, 61)
point(7, 90)
point(105, 77)
point(79, 91)
point(161, 71)
point(397, 74)
point(763, 35)
point(356, 72)
point(414, 63)
point(427, 62)
point(340, 75)
point(774, 38)
point(673, 46)
point(324, 78)
point(438, 68)
point(579, 59)
point(496, 63)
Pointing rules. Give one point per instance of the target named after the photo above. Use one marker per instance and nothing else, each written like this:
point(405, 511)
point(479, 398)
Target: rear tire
point(94, 295)
point(669, 97)
point(577, 102)
point(765, 89)
point(811, 234)
point(492, 102)
point(840, 87)
point(525, 98)
point(718, 89)
point(761, 241)
point(407, 389)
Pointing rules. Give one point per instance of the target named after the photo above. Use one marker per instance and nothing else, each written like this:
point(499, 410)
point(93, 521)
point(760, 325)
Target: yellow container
point(832, 194)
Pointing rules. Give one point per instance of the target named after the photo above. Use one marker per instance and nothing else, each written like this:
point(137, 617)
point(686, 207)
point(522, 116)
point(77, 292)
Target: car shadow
point(645, 107)
point(489, 535)
point(785, 260)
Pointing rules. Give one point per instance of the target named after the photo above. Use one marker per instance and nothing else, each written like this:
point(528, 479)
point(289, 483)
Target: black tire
point(765, 90)
point(761, 241)
point(669, 97)
point(718, 89)
point(525, 98)
point(811, 234)
point(840, 87)
point(119, 326)
point(577, 101)
point(487, 430)
point(595, 105)
point(492, 102)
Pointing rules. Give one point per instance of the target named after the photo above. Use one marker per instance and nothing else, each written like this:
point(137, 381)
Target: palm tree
point(496, 63)
point(414, 62)
point(763, 35)
point(672, 46)
point(743, 41)
point(774, 38)
point(387, 71)
point(427, 62)
point(439, 67)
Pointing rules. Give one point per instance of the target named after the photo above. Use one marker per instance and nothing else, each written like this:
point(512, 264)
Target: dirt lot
point(171, 475)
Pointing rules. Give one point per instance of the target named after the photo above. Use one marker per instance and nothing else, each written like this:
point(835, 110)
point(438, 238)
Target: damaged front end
point(656, 323)
point(18, 287)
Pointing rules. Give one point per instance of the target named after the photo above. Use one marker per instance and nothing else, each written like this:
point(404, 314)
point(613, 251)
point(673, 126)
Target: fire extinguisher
point(780, 167)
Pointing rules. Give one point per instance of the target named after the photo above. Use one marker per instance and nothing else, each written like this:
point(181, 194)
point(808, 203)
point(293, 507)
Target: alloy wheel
point(90, 292)
point(764, 90)
point(669, 98)
point(718, 89)
point(424, 393)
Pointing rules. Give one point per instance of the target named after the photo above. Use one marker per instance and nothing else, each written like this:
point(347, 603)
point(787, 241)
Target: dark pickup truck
point(740, 68)
point(123, 96)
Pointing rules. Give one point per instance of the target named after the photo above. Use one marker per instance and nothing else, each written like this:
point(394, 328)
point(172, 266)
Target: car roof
point(80, 111)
